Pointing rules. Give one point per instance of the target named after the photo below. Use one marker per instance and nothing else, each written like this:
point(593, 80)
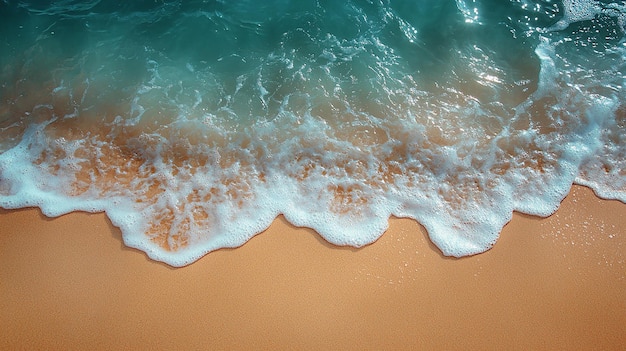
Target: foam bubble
point(586, 10)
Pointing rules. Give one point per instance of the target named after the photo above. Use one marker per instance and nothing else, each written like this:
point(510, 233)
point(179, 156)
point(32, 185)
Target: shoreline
point(548, 283)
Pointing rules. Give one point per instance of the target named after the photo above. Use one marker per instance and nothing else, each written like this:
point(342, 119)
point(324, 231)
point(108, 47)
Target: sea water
point(194, 124)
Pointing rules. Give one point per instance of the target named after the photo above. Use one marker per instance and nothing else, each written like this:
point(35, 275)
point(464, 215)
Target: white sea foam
point(336, 133)
point(586, 10)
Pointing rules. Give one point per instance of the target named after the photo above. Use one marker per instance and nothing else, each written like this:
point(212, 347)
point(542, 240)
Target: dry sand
point(548, 284)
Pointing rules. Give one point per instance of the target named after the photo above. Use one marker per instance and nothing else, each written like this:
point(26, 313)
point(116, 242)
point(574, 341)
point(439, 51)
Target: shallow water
point(194, 124)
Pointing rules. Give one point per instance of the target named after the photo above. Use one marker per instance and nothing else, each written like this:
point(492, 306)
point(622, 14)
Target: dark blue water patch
point(369, 48)
point(234, 36)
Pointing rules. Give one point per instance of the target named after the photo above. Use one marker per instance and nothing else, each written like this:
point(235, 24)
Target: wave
point(194, 125)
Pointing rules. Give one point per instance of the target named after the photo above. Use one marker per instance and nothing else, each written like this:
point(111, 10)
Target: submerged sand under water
point(336, 127)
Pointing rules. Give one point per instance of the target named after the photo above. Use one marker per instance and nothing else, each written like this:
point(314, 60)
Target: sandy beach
point(548, 284)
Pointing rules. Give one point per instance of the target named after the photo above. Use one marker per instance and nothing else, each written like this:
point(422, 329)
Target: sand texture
point(548, 284)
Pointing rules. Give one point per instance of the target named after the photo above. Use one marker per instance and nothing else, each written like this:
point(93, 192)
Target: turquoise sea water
point(193, 124)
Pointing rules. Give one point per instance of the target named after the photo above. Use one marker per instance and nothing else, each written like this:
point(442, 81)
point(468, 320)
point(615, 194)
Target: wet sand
point(548, 284)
